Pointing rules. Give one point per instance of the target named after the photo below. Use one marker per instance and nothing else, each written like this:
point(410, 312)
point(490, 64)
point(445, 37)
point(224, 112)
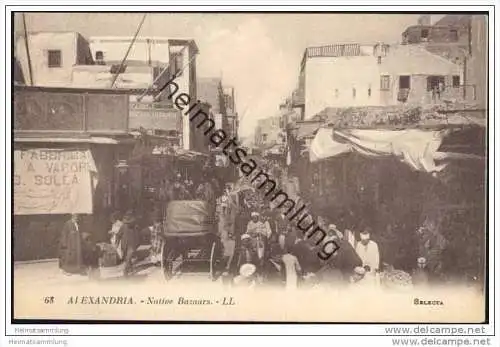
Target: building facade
point(348, 75)
point(151, 62)
point(49, 57)
point(211, 92)
point(477, 66)
point(461, 39)
point(269, 131)
point(67, 146)
point(69, 60)
point(232, 115)
point(449, 29)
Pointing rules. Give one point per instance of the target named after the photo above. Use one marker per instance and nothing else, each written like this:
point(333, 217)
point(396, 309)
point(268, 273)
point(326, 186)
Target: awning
point(307, 129)
point(177, 152)
point(415, 147)
point(96, 140)
point(53, 181)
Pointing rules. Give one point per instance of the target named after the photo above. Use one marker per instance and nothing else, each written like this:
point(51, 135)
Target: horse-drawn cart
point(190, 233)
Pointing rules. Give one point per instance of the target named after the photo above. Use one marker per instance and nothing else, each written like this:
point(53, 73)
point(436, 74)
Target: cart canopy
point(187, 216)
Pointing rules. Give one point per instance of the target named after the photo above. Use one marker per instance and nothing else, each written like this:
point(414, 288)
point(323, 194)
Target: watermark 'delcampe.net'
point(238, 156)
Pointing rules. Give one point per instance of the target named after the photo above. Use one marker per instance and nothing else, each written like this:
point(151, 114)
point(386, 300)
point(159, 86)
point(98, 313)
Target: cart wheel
point(213, 261)
point(166, 262)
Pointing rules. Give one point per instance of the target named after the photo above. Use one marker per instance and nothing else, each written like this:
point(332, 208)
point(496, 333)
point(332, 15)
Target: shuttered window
point(385, 82)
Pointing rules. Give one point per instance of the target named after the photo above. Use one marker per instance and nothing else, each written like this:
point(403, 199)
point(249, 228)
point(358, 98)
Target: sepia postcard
point(250, 167)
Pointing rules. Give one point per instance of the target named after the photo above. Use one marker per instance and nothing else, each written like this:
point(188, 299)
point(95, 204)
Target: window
point(404, 82)
point(336, 93)
point(99, 55)
point(456, 81)
point(424, 34)
point(176, 63)
point(353, 93)
point(379, 60)
point(385, 82)
point(435, 83)
point(454, 35)
point(369, 90)
point(54, 58)
point(117, 69)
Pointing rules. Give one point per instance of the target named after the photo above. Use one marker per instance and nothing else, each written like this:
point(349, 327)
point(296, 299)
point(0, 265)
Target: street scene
point(230, 154)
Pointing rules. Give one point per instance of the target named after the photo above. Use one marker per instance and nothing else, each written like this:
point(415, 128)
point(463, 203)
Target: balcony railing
point(69, 110)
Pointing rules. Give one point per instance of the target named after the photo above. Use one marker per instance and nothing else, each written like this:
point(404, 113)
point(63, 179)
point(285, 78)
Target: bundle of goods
point(402, 115)
point(109, 256)
point(396, 279)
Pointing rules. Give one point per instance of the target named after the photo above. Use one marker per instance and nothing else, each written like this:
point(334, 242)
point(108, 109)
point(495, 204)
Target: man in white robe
point(368, 252)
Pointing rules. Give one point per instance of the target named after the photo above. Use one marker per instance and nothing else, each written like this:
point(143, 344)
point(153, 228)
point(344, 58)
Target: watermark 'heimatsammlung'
point(238, 156)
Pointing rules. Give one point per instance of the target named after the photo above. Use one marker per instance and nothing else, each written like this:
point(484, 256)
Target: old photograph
point(250, 167)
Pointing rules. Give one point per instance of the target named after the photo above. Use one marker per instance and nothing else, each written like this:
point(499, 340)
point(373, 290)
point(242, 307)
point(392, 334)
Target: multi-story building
point(289, 114)
point(232, 115)
point(477, 64)
point(449, 29)
point(462, 39)
point(69, 60)
point(269, 131)
point(348, 75)
point(149, 65)
point(48, 58)
point(68, 144)
point(210, 90)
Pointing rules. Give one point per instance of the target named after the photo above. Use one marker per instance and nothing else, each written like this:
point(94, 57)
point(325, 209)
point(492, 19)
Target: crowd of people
point(271, 252)
point(80, 254)
point(268, 249)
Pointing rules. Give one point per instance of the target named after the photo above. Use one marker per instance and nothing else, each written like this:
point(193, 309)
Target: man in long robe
point(70, 247)
point(368, 252)
point(432, 245)
point(129, 240)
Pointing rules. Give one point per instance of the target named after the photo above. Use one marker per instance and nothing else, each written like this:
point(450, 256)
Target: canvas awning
point(178, 152)
point(307, 129)
point(417, 148)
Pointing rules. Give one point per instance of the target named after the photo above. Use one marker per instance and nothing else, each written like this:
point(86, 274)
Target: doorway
point(404, 82)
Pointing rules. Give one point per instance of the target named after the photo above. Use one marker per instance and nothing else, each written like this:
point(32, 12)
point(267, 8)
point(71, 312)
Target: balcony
point(70, 110)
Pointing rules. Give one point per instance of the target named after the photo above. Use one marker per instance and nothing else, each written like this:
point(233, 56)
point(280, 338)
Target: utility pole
point(128, 51)
point(467, 55)
point(30, 69)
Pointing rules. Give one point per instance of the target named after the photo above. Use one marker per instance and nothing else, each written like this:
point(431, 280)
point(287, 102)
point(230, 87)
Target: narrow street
point(44, 275)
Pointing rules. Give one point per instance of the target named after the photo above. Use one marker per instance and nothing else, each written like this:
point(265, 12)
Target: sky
point(258, 54)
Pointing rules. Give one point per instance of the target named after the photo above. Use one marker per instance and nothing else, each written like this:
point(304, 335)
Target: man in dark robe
point(91, 254)
point(240, 225)
point(306, 254)
point(70, 247)
point(129, 241)
point(205, 192)
point(345, 259)
point(273, 270)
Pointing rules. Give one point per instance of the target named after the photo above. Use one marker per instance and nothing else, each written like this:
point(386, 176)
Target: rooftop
point(405, 116)
point(153, 39)
point(70, 89)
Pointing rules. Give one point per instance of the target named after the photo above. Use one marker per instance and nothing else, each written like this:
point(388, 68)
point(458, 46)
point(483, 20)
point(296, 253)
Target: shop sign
point(53, 181)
